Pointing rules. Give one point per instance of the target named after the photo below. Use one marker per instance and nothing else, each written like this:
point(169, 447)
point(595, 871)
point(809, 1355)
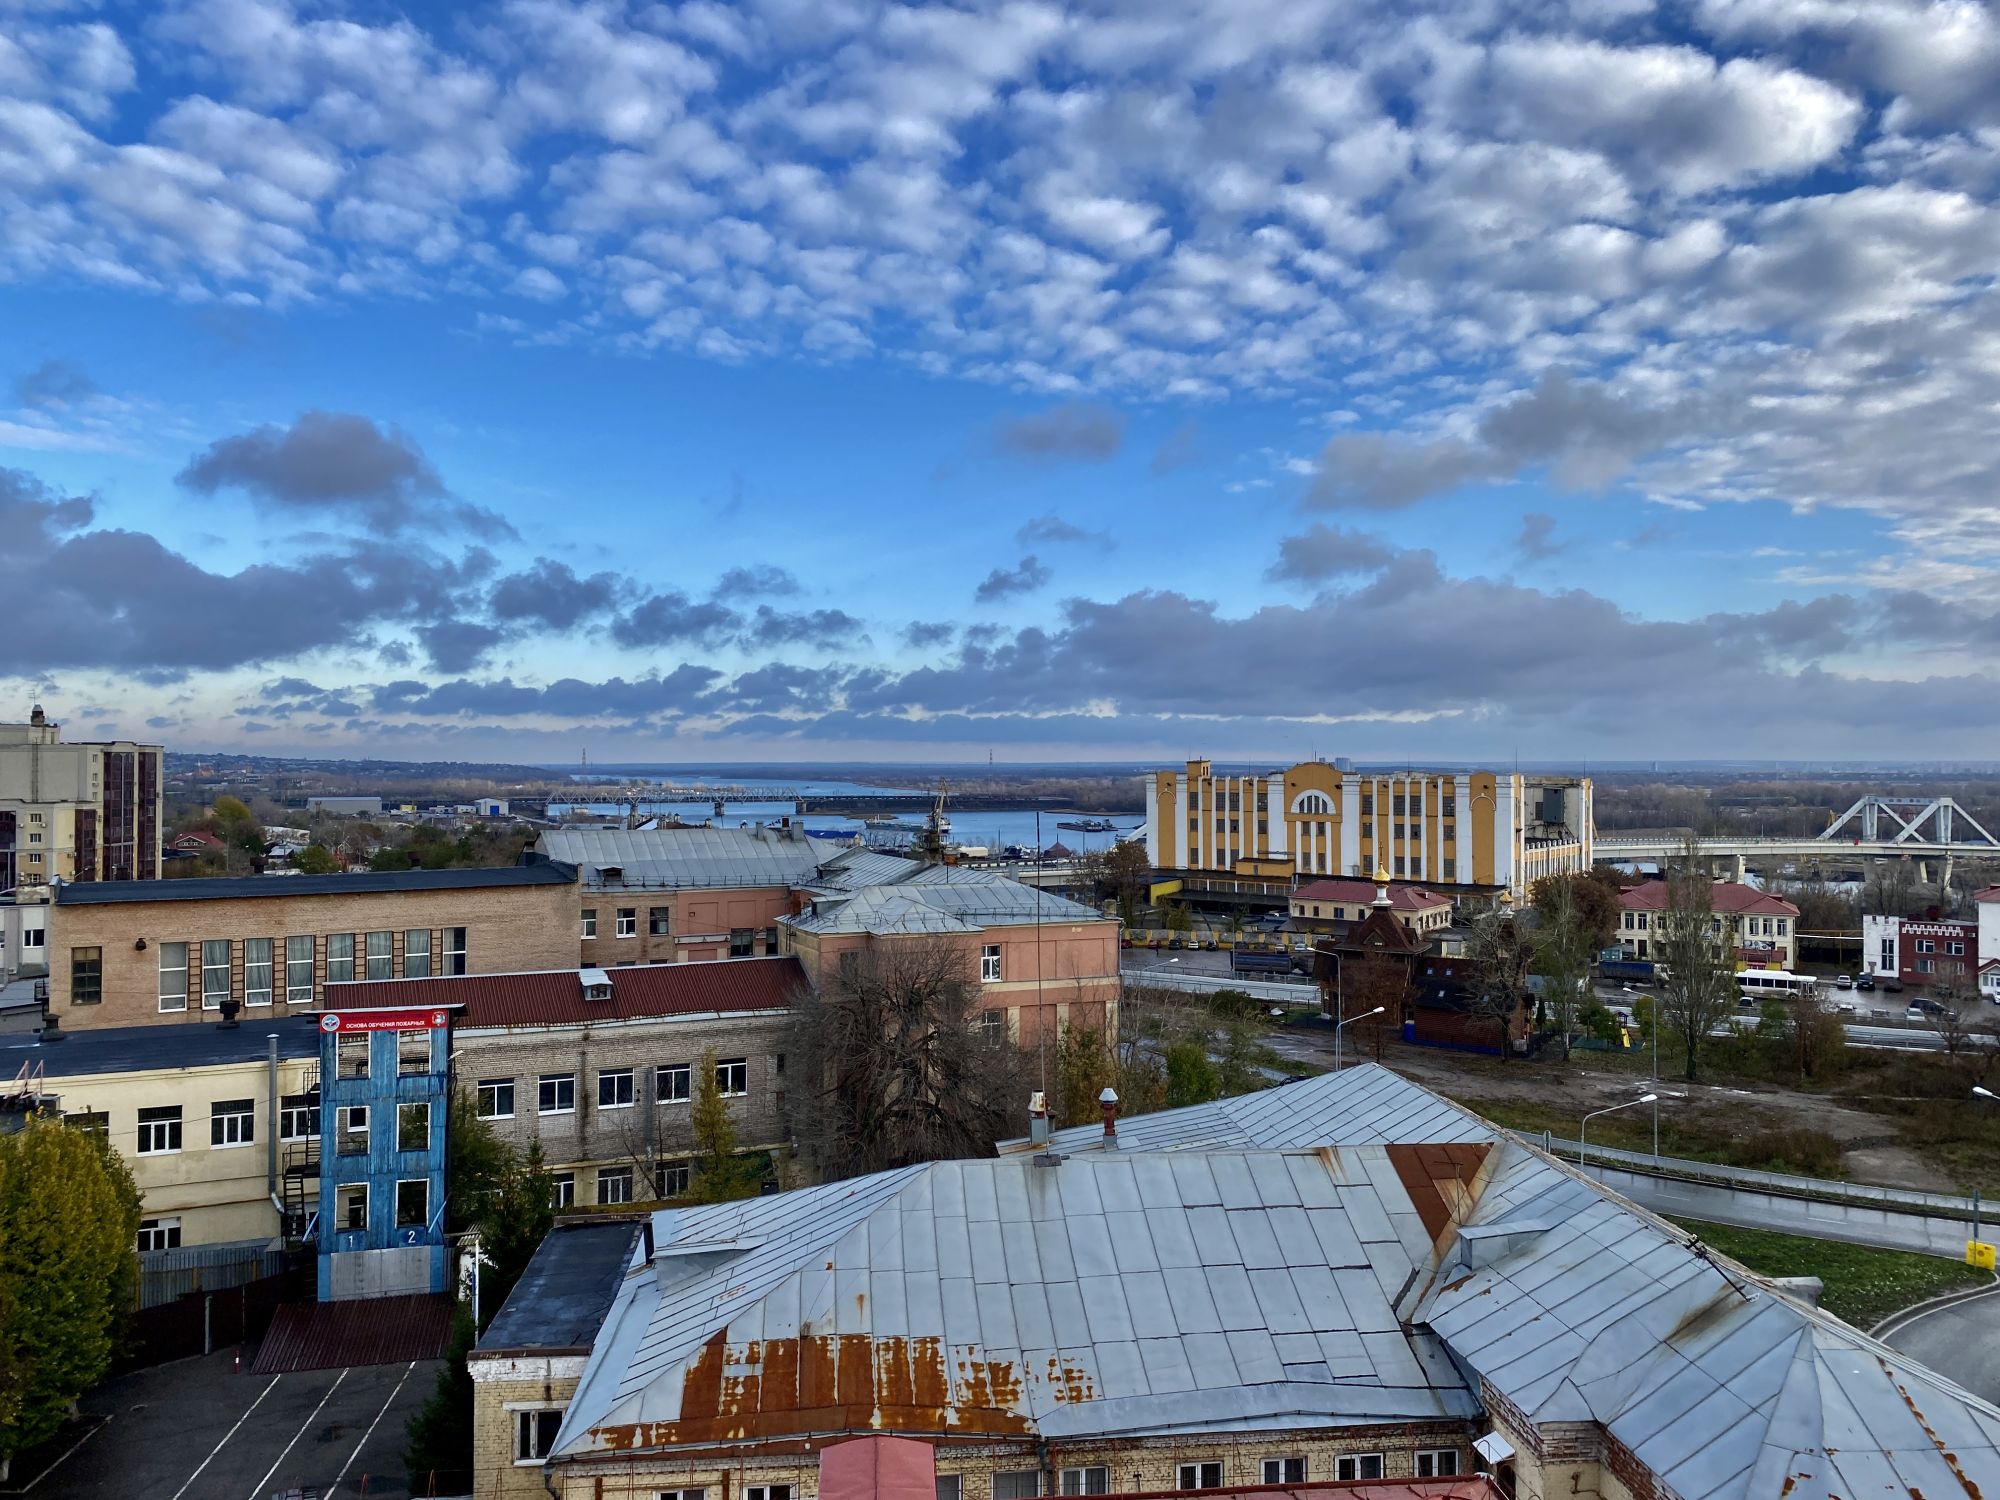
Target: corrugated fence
point(168, 1275)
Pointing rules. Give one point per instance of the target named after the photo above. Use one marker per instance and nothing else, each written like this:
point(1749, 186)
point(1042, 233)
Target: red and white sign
point(420, 1018)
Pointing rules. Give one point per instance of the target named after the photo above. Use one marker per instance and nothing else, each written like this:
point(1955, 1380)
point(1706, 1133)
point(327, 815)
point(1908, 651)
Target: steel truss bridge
point(1875, 827)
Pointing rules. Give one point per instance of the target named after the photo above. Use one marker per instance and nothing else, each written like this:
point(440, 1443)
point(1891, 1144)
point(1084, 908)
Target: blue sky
point(861, 381)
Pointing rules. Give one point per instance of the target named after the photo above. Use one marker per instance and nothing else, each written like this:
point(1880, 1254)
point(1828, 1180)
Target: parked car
point(1864, 982)
point(1844, 1007)
point(1844, 981)
point(1927, 1005)
point(1913, 1014)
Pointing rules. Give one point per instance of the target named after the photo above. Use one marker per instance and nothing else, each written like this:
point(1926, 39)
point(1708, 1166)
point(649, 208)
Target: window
point(767, 1492)
point(1095, 1480)
point(1925, 945)
point(614, 1184)
point(1927, 966)
point(496, 1098)
point(659, 920)
point(562, 1189)
point(770, 940)
point(413, 1053)
point(232, 1122)
point(951, 1487)
point(256, 971)
point(590, 921)
point(381, 955)
point(350, 1205)
point(1436, 1463)
point(675, 1178)
point(454, 950)
point(159, 1234)
point(672, 1081)
point(535, 1434)
point(741, 941)
point(1018, 1484)
point(86, 976)
point(352, 1060)
point(628, 921)
point(298, 1117)
point(557, 1094)
point(299, 970)
point(614, 1088)
point(1284, 1471)
point(413, 1127)
point(1358, 1466)
point(1888, 959)
point(993, 1027)
point(173, 976)
point(160, 1130)
point(680, 1494)
point(732, 1078)
point(90, 1122)
point(1955, 949)
point(1200, 1477)
point(214, 973)
point(33, 937)
point(413, 1203)
point(989, 964)
point(417, 953)
point(340, 958)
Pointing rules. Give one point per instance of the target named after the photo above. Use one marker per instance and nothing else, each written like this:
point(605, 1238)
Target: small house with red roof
point(1760, 927)
point(1331, 906)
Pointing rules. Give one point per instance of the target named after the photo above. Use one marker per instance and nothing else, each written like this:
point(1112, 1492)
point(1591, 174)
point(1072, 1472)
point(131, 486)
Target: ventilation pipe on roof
point(1108, 1102)
point(1038, 1119)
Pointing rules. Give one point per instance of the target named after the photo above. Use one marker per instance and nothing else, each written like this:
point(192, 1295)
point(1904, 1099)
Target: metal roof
point(561, 1299)
point(852, 869)
point(941, 898)
point(140, 1049)
point(554, 997)
point(362, 883)
point(1129, 1294)
point(688, 858)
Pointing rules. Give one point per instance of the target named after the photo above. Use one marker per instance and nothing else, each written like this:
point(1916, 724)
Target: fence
point(167, 1275)
point(202, 1322)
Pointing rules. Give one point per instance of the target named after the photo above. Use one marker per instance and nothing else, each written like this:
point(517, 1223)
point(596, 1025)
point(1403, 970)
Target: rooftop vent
point(596, 984)
point(611, 872)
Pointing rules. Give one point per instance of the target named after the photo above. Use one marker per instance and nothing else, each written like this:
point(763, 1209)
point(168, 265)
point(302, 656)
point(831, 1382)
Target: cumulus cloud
point(550, 593)
point(1324, 552)
point(1024, 577)
point(53, 382)
point(1076, 432)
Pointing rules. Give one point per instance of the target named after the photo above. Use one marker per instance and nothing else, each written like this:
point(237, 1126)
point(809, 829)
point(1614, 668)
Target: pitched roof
point(266, 887)
point(555, 997)
point(1730, 898)
point(561, 1299)
point(690, 858)
point(940, 898)
point(1362, 893)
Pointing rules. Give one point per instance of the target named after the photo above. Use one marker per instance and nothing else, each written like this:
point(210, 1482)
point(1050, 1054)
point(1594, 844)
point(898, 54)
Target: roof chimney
point(1108, 1102)
point(1038, 1118)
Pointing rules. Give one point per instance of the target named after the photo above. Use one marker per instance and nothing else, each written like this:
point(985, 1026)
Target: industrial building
point(78, 811)
point(1485, 831)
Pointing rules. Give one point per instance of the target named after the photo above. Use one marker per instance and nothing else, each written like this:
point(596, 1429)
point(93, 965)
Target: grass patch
point(1863, 1285)
point(1800, 1152)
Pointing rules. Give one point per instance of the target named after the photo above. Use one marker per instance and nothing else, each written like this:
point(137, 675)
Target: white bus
point(1761, 984)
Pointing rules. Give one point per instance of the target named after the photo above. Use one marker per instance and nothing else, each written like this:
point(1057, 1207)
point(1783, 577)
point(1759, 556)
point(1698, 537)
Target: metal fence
point(167, 1275)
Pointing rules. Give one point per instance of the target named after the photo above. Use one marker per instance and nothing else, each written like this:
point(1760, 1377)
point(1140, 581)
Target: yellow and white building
point(1488, 829)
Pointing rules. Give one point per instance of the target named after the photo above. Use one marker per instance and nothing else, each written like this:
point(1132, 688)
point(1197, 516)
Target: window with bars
point(160, 1130)
point(173, 976)
point(232, 1122)
point(257, 971)
point(299, 970)
point(86, 976)
point(298, 1117)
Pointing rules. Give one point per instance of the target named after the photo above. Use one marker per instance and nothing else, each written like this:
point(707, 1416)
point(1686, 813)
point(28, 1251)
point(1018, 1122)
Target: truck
point(1630, 971)
point(1247, 958)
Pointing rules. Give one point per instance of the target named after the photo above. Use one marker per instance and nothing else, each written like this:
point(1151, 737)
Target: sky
point(832, 380)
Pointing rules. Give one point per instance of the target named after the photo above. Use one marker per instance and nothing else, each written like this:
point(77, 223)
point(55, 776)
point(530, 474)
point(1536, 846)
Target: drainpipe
point(271, 1132)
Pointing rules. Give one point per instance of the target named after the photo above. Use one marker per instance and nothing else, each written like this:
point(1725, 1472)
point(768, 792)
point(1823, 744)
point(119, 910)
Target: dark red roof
point(1362, 893)
point(554, 997)
point(1730, 897)
point(371, 1331)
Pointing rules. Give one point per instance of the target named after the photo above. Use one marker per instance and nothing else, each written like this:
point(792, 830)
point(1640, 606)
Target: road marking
point(226, 1437)
point(1897, 1322)
point(63, 1457)
point(364, 1436)
point(257, 1489)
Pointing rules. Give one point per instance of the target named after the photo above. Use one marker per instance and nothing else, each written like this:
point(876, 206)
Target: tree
point(1700, 986)
point(1191, 1077)
point(437, 1447)
point(1501, 953)
point(1588, 898)
point(317, 859)
point(1130, 873)
point(1085, 1066)
point(895, 1065)
point(69, 1221)
point(520, 1212)
point(1179, 919)
point(1376, 979)
point(720, 1175)
point(1565, 943)
point(1950, 1022)
point(477, 1162)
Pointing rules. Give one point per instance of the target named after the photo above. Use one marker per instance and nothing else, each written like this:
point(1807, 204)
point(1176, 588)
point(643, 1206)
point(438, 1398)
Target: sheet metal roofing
point(1730, 898)
point(561, 1299)
point(1362, 893)
point(555, 997)
point(361, 883)
point(1150, 1293)
point(940, 898)
point(688, 858)
point(142, 1049)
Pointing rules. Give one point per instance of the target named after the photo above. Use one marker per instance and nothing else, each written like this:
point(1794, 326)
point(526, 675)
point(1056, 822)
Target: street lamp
point(1984, 1092)
point(1349, 1022)
point(1583, 1125)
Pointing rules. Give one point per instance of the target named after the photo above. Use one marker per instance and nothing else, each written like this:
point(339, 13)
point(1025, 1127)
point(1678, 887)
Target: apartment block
point(77, 811)
point(127, 953)
point(1489, 830)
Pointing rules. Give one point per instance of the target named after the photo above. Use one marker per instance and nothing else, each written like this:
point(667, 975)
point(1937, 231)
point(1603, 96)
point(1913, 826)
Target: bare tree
point(1700, 986)
point(1564, 945)
point(1502, 953)
point(894, 1067)
point(1950, 1022)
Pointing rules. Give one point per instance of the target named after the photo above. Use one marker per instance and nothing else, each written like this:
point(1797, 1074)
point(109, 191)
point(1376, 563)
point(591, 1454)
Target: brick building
point(1331, 906)
point(79, 811)
point(127, 953)
point(1761, 929)
point(1921, 951)
point(598, 1065)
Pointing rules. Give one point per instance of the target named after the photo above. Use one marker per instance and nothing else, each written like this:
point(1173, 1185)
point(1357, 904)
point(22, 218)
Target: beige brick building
point(128, 953)
point(78, 811)
point(600, 1066)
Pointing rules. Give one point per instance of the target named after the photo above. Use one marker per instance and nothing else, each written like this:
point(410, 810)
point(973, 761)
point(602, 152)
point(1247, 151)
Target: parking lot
point(197, 1430)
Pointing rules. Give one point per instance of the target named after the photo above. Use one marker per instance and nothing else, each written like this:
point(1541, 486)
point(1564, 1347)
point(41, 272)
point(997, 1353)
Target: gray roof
point(688, 858)
point(940, 898)
point(1135, 1294)
point(561, 1299)
point(852, 869)
point(138, 1049)
point(361, 883)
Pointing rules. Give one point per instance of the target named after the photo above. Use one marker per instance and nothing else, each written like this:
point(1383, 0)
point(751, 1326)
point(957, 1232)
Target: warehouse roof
point(141, 1049)
point(940, 898)
point(364, 883)
point(689, 858)
point(557, 997)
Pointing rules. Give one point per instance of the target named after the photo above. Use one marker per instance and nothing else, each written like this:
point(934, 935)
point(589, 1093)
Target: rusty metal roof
point(371, 1331)
point(554, 997)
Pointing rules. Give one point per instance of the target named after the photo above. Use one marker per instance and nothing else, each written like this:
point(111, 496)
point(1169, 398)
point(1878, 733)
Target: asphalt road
point(1960, 1342)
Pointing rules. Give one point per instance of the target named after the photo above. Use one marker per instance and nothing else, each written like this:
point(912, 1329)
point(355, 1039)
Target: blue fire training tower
point(384, 1091)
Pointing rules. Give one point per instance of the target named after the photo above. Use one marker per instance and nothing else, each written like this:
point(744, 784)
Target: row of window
point(1929, 945)
point(413, 1054)
point(231, 1122)
point(261, 957)
point(1641, 921)
point(659, 923)
point(350, 1134)
point(413, 1204)
point(617, 1088)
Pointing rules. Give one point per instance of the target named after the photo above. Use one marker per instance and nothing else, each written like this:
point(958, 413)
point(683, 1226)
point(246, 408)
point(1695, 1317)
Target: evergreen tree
point(438, 1440)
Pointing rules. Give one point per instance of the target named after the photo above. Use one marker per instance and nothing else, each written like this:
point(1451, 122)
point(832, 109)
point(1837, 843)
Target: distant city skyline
point(796, 382)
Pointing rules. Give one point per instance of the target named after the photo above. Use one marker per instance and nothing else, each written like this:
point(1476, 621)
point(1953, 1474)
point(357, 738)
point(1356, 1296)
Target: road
point(1961, 1342)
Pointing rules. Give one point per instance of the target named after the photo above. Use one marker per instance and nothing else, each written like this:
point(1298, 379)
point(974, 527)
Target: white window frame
point(562, 1189)
point(182, 971)
point(676, 1177)
point(628, 921)
point(1032, 1476)
point(680, 1073)
point(615, 1077)
point(1190, 1476)
point(1274, 1469)
point(951, 1487)
point(528, 1434)
point(165, 1128)
point(295, 992)
point(159, 1234)
point(454, 951)
point(1435, 1463)
point(1085, 1479)
point(412, 953)
point(557, 1080)
point(590, 921)
point(340, 958)
point(989, 964)
point(1351, 1467)
point(345, 1194)
point(254, 970)
point(608, 1177)
point(211, 999)
point(734, 1070)
point(237, 1128)
point(289, 1116)
point(696, 1493)
point(488, 1095)
point(386, 958)
point(767, 1492)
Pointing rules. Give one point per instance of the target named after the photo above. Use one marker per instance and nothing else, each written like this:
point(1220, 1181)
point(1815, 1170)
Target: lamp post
point(1349, 1022)
point(1583, 1125)
point(1979, 1091)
